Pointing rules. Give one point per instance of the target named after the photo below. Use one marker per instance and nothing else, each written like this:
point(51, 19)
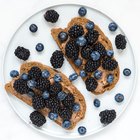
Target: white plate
point(23, 37)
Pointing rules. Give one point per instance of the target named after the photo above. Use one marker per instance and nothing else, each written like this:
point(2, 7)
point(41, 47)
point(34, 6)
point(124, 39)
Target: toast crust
point(102, 83)
point(66, 85)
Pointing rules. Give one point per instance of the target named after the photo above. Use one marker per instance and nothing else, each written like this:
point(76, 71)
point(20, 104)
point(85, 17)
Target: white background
point(125, 12)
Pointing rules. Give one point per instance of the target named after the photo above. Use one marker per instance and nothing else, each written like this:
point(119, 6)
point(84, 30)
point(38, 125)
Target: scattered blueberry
point(57, 78)
point(33, 28)
point(127, 72)
point(45, 74)
point(63, 36)
point(31, 84)
point(97, 103)
point(76, 107)
point(24, 76)
point(66, 124)
point(14, 73)
point(73, 76)
point(97, 74)
point(110, 53)
point(90, 25)
point(119, 97)
point(82, 11)
point(83, 73)
point(53, 116)
point(113, 26)
point(45, 95)
point(81, 41)
point(78, 62)
point(95, 55)
point(61, 95)
point(39, 47)
point(110, 78)
point(31, 94)
point(82, 130)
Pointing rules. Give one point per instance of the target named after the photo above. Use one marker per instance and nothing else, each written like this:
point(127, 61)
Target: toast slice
point(103, 85)
point(66, 87)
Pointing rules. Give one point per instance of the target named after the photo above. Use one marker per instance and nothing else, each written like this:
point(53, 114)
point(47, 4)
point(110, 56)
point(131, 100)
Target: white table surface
point(124, 12)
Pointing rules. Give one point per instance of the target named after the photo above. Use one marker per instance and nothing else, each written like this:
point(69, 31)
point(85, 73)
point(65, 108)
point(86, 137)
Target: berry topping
point(14, 73)
point(31, 84)
point(55, 88)
point(61, 95)
point(107, 116)
point(57, 78)
point(62, 36)
point(33, 28)
point(90, 25)
point(110, 53)
point(96, 103)
point(113, 26)
point(24, 76)
point(82, 11)
point(39, 47)
point(91, 84)
point(83, 73)
point(120, 42)
point(82, 130)
point(81, 41)
point(95, 55)
point(46, 95)
point(57, 59)
point(97, 74)
point(45, 74)
point(66, 124)
point(31, 94)
point(78, 62)
point(110, 78)
point(127, 72)
point(22, 53)
point(53, 116)
point(51, 16)
point(119, 97)
point(76, 31)
point(73, 76)
point(76, 107)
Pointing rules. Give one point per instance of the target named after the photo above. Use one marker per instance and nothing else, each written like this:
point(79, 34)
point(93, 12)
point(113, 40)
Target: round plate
point(23, 37)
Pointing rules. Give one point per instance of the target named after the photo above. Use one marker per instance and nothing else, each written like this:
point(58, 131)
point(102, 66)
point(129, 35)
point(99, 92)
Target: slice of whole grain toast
point(102, 83)
point(66, 86)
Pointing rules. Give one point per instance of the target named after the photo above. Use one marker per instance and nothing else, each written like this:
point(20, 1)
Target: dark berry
point(53, 116)
point(113, 26)
point(46, 95)
point(45, 74)
point(66, 124)
point(95, 55)
point(31, 94)
point(97, 74)
point(97, 103)
point(39, 47)
point(82, 130)
point(83, 73)
point(110, 78)
point(24, 76)
point(33, 28)
point(127, 72)
point(110, 53)
point(55, 88)
point(82, 11)
point(31, 84)
point(81, 41)
point(14, 73)
point(119, 97)
point(73, 76)
point(90, 25)
point(57, 78)
point(61, 95)
point(76, 107)
point(78, 62)
point(62, 36)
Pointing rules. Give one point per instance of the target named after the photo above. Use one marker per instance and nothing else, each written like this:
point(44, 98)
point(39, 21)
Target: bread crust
point(102, 83)
point(66, 85)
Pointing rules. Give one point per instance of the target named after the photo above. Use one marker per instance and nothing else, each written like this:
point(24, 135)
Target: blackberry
point(34, 73)
point(20, 86)
point(37, 118)
point(109, 64)
point(53, 104)
point(38, 102)
point(120, 42)
point(76, 31)
point(55, 88)
point(91, 65)
point(51, 16)
point(100, 48)
point(22, 53)
point(107, 116)
point(92, 36)
point(71, 50)
point(65, 113)
point(42, 84)
point(86, 52)
point(69, 101)
point(57, 59)
point(91, 84)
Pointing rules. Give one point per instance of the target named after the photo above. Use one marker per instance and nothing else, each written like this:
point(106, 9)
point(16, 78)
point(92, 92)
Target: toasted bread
point(66, 86)
point(102, 83)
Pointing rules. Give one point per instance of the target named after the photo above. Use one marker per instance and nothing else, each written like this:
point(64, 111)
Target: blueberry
point(97, 74)
point(24, 76)
point(97, 103)
point(119, 97)
point(66, 124)
point(33, 28)
point(61, 95)
point(127, 72)
point(113, 26)
point(83, 73)
point(45, 95)
point(31, 94)
point(57, 78)
point(45, 74)
point(110, 78)
point(31, 84)
point(95, 55)
point(90, 25)
point(78, 62)
point(82, 130)
point(73, 77)
point(53, 116)
point(14, 73)
point(63, 36)
point(82, 11)
point(39, 47)
point(110, 53)
point(81, 41)
point(76, 107)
